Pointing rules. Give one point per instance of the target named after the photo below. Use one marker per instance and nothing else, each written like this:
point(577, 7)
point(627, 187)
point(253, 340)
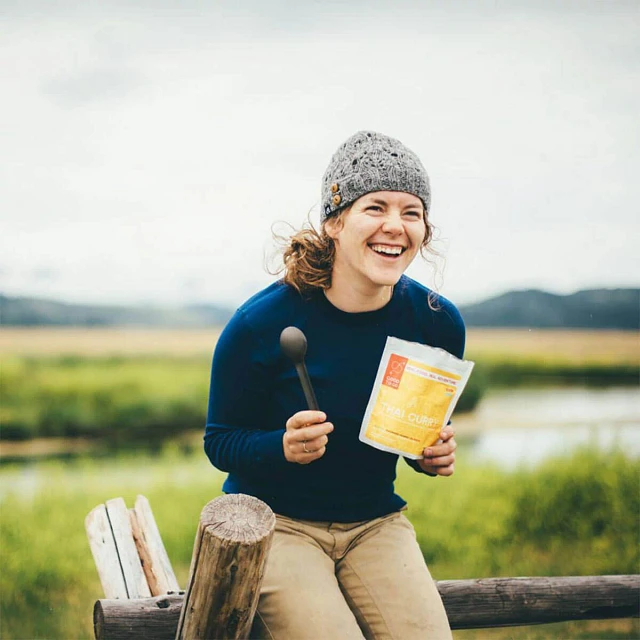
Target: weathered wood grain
point(470, 604)
point(135, 580)
point(142, 619)
point(233, 539)
point(105, 554)
point(153, 556)
point(507, 602)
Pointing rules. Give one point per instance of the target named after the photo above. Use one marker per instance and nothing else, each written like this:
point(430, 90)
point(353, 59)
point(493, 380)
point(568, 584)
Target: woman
point(344, 561)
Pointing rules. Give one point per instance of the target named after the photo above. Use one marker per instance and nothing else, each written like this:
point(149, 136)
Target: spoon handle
point(310, 396)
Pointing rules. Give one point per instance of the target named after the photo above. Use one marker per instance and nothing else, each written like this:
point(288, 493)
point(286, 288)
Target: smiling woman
point(376, 240)
point(344, 561)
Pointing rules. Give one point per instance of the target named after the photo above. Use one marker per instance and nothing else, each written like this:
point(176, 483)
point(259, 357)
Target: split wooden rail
point(143, 600)
point(128, 550)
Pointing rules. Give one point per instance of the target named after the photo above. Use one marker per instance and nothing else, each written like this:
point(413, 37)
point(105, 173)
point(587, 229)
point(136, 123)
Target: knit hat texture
point(367, 162)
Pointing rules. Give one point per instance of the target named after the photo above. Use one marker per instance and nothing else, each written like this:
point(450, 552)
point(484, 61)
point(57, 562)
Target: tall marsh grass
point(145, 399)
point(578, 518)
point(122, 401)
point(136, 386)
point(116, 399)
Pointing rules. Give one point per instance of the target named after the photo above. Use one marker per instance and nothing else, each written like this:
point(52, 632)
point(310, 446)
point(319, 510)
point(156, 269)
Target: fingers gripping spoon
point(294, 345)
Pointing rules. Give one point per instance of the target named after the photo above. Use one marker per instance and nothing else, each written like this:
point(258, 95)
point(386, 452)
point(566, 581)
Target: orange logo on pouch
point(395, 369)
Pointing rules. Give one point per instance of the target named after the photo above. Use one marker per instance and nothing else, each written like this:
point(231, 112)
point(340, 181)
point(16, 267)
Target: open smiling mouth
point(387, 251)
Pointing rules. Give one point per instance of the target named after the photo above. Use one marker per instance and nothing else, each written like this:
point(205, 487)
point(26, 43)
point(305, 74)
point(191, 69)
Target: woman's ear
point(333, 225)
point(330, 228)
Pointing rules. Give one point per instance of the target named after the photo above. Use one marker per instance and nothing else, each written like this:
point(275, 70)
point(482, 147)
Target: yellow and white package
point(414, 394)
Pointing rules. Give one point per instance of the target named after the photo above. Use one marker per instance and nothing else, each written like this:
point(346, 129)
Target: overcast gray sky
point(147, 147)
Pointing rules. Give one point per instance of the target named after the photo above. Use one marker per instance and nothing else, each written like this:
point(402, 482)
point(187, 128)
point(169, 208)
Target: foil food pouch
point(414, 394)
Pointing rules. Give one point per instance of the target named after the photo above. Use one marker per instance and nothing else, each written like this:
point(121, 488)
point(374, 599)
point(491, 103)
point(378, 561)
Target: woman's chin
point(386, 279)
point(385, 272)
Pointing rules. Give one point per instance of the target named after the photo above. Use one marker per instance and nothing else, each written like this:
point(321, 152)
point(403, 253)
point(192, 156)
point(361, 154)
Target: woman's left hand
point(439, 458)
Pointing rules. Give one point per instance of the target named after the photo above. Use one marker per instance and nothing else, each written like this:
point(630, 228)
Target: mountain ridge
point(615, 308)
point(29, 311)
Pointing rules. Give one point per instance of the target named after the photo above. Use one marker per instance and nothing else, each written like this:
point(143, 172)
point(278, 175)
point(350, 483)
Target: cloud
point(86, 86)
point(153, 144)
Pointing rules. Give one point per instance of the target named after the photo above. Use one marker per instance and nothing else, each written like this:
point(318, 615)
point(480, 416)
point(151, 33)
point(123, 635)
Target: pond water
point(523, 427)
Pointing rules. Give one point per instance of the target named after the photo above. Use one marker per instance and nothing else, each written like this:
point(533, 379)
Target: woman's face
point(377, 239)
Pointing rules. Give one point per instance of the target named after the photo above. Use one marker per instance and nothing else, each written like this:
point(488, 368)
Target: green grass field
point(116, 387)
point(579, 518)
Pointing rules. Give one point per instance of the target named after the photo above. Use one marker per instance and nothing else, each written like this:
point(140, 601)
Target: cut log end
point(98, 621)
point(238, 518)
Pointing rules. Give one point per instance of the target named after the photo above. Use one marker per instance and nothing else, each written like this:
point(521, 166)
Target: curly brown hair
point(308, 254)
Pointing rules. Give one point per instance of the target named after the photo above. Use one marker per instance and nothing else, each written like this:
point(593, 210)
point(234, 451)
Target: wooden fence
point(143, 600)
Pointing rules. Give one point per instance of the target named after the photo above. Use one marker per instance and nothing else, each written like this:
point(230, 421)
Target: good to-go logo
point(395, 369)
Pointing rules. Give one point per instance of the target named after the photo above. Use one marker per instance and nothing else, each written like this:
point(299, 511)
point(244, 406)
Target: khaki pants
point(328, 581)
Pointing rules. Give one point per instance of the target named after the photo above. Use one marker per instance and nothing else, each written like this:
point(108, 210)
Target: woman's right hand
point(305, 439)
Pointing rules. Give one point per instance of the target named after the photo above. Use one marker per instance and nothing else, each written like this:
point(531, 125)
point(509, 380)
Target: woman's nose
point(393, 225)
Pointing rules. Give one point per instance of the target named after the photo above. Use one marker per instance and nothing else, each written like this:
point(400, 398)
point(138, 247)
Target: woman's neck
point(350, 298)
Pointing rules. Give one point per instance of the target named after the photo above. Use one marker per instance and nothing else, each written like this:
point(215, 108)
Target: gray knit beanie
point(367, 162)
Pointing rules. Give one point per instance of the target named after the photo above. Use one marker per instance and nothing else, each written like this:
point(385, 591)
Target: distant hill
point(40, 312)
point(592, 309)
point(589, 309)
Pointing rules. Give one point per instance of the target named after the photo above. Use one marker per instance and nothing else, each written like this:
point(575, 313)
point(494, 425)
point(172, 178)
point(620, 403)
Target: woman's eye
point(374, 208)
point(413, 214)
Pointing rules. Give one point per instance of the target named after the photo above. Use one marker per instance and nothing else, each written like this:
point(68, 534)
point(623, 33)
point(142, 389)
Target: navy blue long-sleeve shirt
point(255, 390)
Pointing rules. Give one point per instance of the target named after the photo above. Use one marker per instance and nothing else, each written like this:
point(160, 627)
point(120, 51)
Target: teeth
point(391, 251)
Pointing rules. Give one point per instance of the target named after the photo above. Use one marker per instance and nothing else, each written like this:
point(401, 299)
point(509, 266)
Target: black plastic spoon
point(294, 345)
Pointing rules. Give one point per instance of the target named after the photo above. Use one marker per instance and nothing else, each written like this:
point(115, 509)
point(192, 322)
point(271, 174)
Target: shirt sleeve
point(235, 438)
point(453, 340)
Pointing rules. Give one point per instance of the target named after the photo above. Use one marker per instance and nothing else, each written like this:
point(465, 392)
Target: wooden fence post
point(233, 539)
